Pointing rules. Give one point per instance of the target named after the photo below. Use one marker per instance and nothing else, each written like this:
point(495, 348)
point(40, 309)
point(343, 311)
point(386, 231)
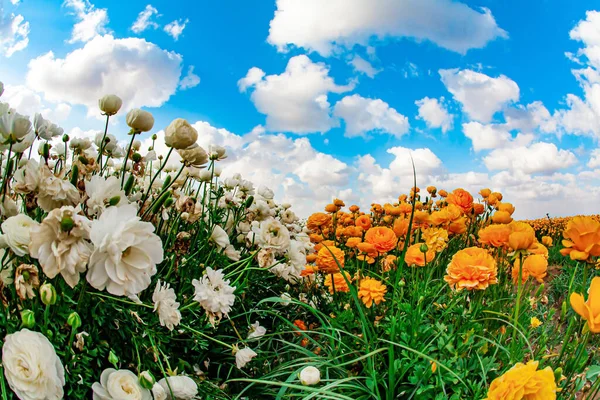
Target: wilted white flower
point(265, 258)
point(165, 302)
point(256, 331)
point(17, 231)
point(194, 156)
point(309, 376)
point(32, 368)
point(139, 120)
point(126, 252)
point(220, 237)
point(183, 387)
point(55, 192)
point(119, 385)
point(214, 294)
point(110, 142)
point(110, 104)
point(180, 134)
point(244, 356)
point(9, 208)
point(103, 193)
point(60, 244)
point(26, 280)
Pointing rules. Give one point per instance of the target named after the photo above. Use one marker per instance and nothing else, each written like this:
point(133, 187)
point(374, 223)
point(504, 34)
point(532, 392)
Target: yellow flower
point(328, 259)
point(547, 241)
point(590, 309)
point(535, 322)
point(471, 268)
point(339, 283)
point(524, 381)
point(435, 238)
point(371, 290)
point(582, 238)
point(521, 237)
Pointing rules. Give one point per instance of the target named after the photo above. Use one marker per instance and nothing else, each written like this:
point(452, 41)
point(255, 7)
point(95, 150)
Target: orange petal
point(579, 305)
point(594, 297)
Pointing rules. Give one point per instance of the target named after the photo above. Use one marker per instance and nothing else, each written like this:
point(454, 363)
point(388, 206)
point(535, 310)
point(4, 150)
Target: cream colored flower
point(244, 356)
point(110, 104)
point(256, 331)
point(193, 156)
point(139, 120)
point(119, 385)
point(309, 376)
point(17, 231)
point(60, 243)
point(180, 134)
point(126, 252)
point(32, 368)
point(165, 302)
point(26, 280)
point(271, 234)
point(103, 193)
point(183, 387)
point(55, 192)
point(220, 237)
point(214, 294)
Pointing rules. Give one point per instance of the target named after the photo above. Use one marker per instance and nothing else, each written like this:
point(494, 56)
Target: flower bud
point(129, 185)
point(139, 120)
point(113, 201)
point(74, 175)
point(48, 294)
point(169, 202)
point(74, 320)
point(110, 104)
point(65, 138)
point(66, 223)
point(558, 374)
point(154, 137)
point(180, 134)
point(424, 248)
point(113, 359)
point(309, 376)
point(249, 201)
point(136, 157)
point(147, 380)
point(46, 150)
point(27, 319)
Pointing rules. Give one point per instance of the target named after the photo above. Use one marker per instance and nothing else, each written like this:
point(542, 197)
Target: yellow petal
point(579, 305)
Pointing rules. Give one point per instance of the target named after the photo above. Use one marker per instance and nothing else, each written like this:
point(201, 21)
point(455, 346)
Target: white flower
point(139, 120)
point(165, 302)
point(17, 231)
point(46, 129)
point(216, 152)
point(55, 192)
point(104, 192)
point(256, 330)
point(110, 142)
point(32, 368)
point(126, 252)
point(288, 217)
point(14, 126)
point(194, 156)
point(183, 387)
point(244, 356)
point(110, 104)
point(119, 385)
point(80, 144)
point(180, 134)
point(271, 234)
point(158, 392)
point(60, 251)
point(309, 376)
point(24, 144)
point(232, 253)
point(9, 208)
point(220, 237)
point(214, 293)
point(266, 193)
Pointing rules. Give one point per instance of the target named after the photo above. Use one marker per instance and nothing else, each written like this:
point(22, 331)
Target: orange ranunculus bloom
point(301, 325)
point(454, 212)
point(462, 199)
point(524, 381)
point(352, 242)
point(316, 238)
point(309, 270)
point(582, 238)
point(354, 208)
point(485, 193)
point(495, 235)
point(402, 198)
point(590, 309)
point(318, 220)
point(501, 217)
point(376, 208)
point(312, 257)
point(364, 221)
point(522, 236)
point(478, 208)
point(443, 193)
point(420, 218)
point(382, 238)
point(415, 257)
point(338, 203)
point(535, 265)
point(438, 218)
point(328, 259)
point(497, 195)
point(401, 227)
point(367, 248)
point(339, 283)
point(371, 291)
point(328, 243)
point(509, 208)
point(458, 226)
point(405, 208)
point(331, 208)
point(538, 248)
point(471, 268)
point(435, 238)
point(547, 241)
point(389, 263)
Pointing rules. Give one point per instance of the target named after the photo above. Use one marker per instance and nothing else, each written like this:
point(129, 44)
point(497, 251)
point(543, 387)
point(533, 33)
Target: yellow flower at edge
point(582, 238)
point(535, 322)
point(590, 309)
point(371, 291)
point(524, 381)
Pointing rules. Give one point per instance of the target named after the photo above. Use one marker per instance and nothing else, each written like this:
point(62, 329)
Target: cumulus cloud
point(144, 20)
point(480, 95)
point(594, 161)
point(139, 72)
point(363, 66)
point(435, 114)
point(28, 102)
point(92, 20)
point(362, 115)
point(539, 157)
point(190, 80)
point(329, 26)
point(296, 100)
point(175, 28)
point(14, 33)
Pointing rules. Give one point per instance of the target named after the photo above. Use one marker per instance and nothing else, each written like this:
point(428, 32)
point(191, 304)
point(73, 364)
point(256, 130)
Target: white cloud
point(594, 161)
point(27, 102)
point(296, 100)
point(190, 80)
point(92, 20)
point(540, 157)
point(139, 72)
point(362, 115)
point(328, 26)
point(175, 28)
point(144, 20)
point(486, 137)
point(534, 116)
point(14, 33)
point(481, 96)
point(435, 114)
point(363, 66)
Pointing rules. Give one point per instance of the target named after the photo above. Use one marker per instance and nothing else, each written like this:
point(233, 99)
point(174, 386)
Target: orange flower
point(438, 218)
point(497, 195)
point(405, 208)
point(301, 325)
point(431, 190)
point(352, 242)
point(331, 208)
point(354, 208)
point(462, 199)
point(538, 248)
point(309, 270)
point(501, 217)
point(338, 203)
point(521, 237)
point(371, 291)
point(478, 208)
point(524, 381)
point(382, 238)
point(312, 257)
point(458, 226)
point(364, 221)
point(328, 259)
point(389, 263)
point(582, 238)
point(415, 257)
point(316, 238)
point(509, 208)
point(435, 238)
point(485, 193)
point(547, 241)
point(495, 235)
point(420, 218)
point(590, 309)
point(443, 193)
point(367, 248)
point(471, 268)
point(339, 283)
point(401, 227)
point(318, 220)
point(534, 265)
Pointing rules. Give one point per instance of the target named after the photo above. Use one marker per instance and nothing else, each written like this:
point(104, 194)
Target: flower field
point(123, 278)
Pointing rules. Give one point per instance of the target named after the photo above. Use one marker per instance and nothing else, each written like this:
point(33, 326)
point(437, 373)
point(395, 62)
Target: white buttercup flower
point(17, 233)
point(165, 302)
point(183, 387)
point(214, 294)
point(232, 253)
point(55, 192)
point(126, 252)
point(27, 178)
point(14, 126)
point(309, 376)
point(60, 244)
point(110, 104)
point(256, 331)
point(139, 120)
point(32, 368)
point(119, 385)
point(272, 235)
point(104, 192)
point(244, 356)
point(220, 237)
point(180, 134)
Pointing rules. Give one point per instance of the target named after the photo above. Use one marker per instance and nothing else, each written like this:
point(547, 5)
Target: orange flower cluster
point(553, 227)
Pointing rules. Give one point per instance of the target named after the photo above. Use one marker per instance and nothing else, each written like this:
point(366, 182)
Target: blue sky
point(320, 99)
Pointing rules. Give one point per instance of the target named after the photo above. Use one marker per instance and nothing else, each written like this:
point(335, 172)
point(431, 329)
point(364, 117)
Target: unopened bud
point(154, 137)
point(66, 223)
point(136, 157)
point(113, 201)
point(48, 294)
point(65, 138)
point(27, 319)
point(147, 380)
point(74, 320)
point(423, 248)
point(113, 359)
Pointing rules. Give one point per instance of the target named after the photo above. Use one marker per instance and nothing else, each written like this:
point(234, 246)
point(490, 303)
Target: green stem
point(99, 159)
point(127, 158)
